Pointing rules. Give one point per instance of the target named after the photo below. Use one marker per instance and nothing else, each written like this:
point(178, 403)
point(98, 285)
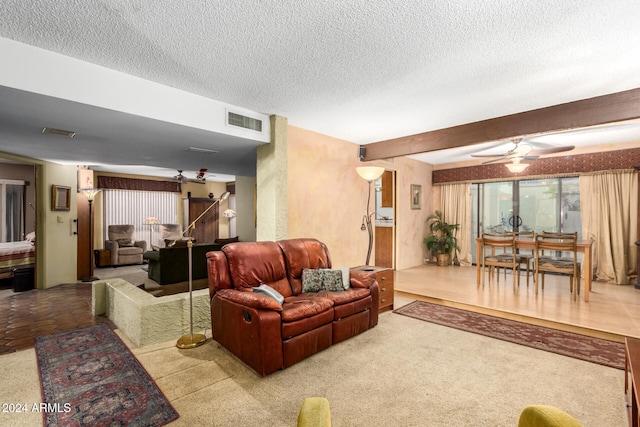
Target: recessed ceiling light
point(202, 150)
point(54, 131)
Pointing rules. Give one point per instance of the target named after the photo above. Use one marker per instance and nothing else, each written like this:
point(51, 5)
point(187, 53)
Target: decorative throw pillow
point(344, 272)
point(179, 242)
point(331, 280)
point(311, 280)
point(324, 279)
point(124, 242)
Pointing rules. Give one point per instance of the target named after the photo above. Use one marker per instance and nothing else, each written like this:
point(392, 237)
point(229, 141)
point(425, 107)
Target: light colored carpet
point(402, 372)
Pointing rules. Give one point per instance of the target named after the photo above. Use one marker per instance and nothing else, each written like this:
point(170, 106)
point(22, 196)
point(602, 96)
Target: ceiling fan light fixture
point(516, 167)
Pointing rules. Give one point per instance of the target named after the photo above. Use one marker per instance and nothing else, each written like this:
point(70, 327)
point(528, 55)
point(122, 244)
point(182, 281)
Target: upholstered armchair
point(124, 249)
point(170, 232)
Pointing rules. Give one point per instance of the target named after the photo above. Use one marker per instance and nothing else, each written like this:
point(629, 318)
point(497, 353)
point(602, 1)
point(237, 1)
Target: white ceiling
point(359, 70)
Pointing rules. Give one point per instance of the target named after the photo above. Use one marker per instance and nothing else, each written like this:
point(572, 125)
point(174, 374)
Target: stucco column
point(272, 184)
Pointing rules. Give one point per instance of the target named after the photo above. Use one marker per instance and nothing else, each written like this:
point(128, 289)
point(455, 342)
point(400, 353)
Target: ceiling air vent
point(245, 122)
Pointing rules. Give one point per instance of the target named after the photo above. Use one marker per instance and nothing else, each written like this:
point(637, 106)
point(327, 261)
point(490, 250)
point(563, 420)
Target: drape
point(609, 209)
point(132, 207)
point(456, 209)
point(14, 213)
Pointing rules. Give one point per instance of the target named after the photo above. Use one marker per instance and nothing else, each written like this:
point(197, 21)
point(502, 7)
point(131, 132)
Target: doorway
point(385, 220)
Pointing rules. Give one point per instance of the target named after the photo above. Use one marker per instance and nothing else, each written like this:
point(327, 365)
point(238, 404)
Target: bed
point(16, 255)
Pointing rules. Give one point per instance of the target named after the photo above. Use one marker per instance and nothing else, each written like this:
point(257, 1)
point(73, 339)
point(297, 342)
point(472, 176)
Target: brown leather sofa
point(268, 336)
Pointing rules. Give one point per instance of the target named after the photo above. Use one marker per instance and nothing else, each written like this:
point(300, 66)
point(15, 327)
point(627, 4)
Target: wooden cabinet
point(385, 278)
point(387, 190)
point(384, 247)
point(206, 229)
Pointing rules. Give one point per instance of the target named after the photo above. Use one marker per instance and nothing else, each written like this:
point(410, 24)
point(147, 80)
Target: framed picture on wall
point(60, 198)
point(416, 196)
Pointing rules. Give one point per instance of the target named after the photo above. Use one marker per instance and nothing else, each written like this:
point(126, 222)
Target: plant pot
point(443, 259)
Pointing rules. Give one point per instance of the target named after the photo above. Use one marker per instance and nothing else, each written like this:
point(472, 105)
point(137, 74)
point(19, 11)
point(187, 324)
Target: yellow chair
point(546, 416)
point(505, 259)
point(315, 412)
point(558, 253)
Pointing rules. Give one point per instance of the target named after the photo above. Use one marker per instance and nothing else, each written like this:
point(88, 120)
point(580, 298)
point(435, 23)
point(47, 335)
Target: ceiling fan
point(523, 151)
point(200, 178)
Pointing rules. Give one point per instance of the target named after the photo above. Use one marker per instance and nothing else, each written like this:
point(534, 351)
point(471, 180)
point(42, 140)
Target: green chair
point(546, 416)
point(315, 412)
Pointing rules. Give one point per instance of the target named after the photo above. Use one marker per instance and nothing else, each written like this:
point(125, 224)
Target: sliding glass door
point(549, 204)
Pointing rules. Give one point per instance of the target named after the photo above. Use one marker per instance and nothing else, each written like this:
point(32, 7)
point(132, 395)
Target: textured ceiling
point(360, 70)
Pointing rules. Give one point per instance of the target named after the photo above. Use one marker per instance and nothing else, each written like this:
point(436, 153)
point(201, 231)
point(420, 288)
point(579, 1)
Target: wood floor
point(612, 312)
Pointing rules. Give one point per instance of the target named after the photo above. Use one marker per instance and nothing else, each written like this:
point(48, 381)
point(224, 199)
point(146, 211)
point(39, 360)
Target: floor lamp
point(151, 221)
point(193, 340)
point(229, 213)
point(370, 174)
point(91, 194)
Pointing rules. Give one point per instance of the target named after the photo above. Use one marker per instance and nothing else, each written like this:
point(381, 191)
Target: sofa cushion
point(300, 254)
point(124, 242)
point(254, 263)
point(130, 250)
point(350, 295)
point(299, 307)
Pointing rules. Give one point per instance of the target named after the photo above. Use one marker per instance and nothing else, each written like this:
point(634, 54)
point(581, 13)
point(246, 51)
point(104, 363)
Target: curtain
point(456, 209)
point(132, 207)
point(14, 213)
point(609, 209)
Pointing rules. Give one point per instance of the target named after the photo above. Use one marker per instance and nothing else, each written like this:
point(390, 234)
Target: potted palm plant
point(442, 241)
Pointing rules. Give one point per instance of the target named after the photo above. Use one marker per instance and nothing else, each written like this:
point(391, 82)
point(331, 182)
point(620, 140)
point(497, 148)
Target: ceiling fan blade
point(487, 155)
point(495, 160)
point(531, 157)
point(551, 150)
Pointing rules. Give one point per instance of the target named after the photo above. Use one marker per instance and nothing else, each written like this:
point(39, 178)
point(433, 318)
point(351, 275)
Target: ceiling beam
point(615, 107)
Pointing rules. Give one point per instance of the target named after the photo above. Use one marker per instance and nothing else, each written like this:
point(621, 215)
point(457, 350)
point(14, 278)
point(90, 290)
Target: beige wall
point(410, 225)
point(327, 199)
point(56, 244)
point(246, 208)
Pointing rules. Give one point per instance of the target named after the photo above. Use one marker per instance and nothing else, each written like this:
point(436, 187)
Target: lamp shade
point(516, 167)
point(370, 172)
point(151, 220)
point(90, 193)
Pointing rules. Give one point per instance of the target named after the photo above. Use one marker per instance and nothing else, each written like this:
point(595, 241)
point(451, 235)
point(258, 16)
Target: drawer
point(385, 281)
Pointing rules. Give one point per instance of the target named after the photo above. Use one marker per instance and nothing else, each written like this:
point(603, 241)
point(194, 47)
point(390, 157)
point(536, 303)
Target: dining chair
point(557, 253)
point(523, 259)
point(506, 258)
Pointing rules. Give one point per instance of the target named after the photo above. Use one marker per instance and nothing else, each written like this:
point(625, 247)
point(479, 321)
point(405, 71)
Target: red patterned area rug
point(596, 350)
point(89, 377)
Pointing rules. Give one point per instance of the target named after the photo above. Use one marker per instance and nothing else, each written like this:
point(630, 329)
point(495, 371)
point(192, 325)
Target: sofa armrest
point(254, 336)
point(152, 255)
point(141, 244)
point(112, 246)
point(361, 279)
point(250, 299)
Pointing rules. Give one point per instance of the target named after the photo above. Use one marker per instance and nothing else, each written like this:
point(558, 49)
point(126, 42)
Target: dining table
point(584, 246)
